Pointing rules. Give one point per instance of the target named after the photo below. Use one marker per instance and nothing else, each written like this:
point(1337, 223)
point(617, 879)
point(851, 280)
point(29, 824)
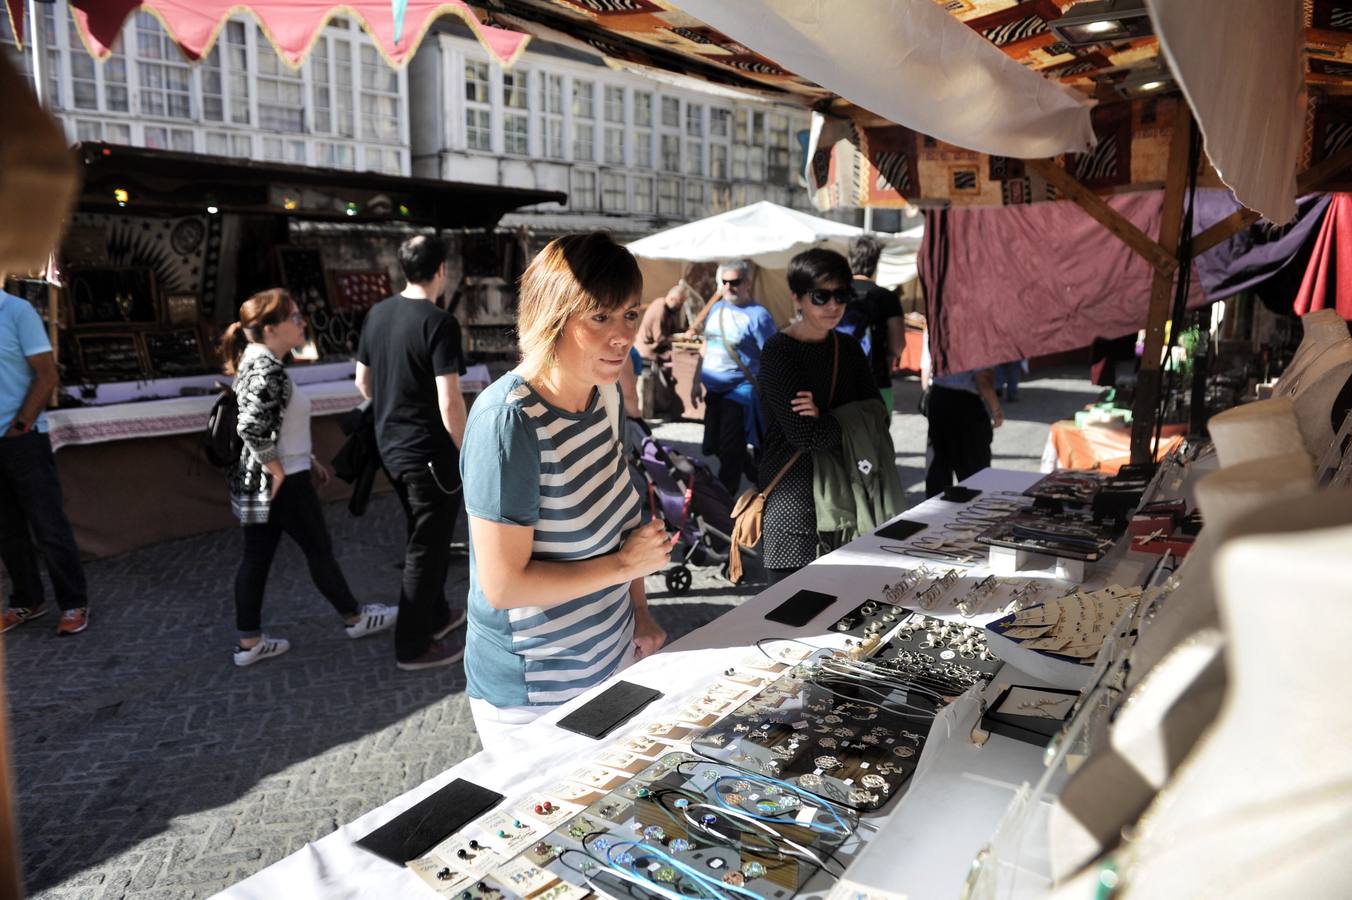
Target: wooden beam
point(1222, 231)
point(1313, 178)
point(1161, 291)
point(1065, 183)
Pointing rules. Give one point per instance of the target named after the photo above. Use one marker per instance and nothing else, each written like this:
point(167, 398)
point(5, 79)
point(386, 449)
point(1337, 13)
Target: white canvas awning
point(912, 63)
point(765, 233)
point(769, 235)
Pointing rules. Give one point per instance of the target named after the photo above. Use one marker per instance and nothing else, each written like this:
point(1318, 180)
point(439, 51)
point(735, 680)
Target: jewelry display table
point(947, 812)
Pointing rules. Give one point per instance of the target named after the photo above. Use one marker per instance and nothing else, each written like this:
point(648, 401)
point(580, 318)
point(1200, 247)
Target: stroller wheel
point(678, 579)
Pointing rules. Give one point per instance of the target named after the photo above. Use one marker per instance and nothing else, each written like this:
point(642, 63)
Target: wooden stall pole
point(1148, 379)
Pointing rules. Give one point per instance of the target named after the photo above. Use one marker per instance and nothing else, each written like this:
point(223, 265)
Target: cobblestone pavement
point(147, 765)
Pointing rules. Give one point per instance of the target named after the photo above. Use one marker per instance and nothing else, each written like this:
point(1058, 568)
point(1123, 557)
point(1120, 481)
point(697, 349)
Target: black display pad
point(851, 743)
point(609, 709)
point(900, 530)
point(952, 652)
point(801, 608)
point(413, 832)
point(959, 494)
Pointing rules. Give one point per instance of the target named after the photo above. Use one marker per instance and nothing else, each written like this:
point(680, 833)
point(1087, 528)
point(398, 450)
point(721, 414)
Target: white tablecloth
point(951, 808)
point(181, 415)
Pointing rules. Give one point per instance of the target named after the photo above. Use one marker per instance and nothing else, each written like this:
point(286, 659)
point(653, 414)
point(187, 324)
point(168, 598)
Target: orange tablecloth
point(1103, 447)
point(910, 353)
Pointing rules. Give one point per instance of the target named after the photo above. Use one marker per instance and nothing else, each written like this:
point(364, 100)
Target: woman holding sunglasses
point(270, 488)
point(806, 370)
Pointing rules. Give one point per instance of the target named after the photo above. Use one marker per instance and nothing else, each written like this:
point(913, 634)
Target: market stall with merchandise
point(983, 697)
point(160, 251)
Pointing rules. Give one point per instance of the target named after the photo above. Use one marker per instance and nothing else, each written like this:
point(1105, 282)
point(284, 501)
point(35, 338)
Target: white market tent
point(767, 234)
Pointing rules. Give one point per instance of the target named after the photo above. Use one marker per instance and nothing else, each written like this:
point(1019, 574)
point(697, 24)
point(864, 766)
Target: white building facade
point(646, 151)
point(632, 152)
point(345, 108)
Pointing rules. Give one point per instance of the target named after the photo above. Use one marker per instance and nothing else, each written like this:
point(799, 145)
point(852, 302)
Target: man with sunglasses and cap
point(735, 331)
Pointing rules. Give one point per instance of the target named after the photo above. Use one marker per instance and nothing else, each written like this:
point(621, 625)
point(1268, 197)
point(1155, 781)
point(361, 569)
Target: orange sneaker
point(73, 621)
point(17, 615)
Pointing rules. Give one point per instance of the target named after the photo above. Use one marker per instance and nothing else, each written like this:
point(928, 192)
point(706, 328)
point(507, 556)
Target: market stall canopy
point(396, 26)
point(134, 179)
point(973, 95)
point(1250, 115)
point(766, 233)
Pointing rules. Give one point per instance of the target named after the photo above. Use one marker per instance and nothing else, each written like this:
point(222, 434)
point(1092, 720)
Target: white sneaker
point(374, 618)
point(266, 648)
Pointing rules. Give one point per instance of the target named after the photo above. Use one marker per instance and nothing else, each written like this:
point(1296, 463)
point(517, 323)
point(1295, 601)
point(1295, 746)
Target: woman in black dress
point(796, 388)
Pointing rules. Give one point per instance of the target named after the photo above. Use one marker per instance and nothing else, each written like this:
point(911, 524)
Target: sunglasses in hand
point(821, 296)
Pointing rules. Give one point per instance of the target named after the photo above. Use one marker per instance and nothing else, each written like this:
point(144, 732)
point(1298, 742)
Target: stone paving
point(148, 766)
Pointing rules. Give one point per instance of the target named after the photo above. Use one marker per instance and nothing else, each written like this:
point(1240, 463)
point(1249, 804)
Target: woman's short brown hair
point(573, 275)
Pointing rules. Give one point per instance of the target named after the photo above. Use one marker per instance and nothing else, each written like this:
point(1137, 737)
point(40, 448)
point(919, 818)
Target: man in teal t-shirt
point(735, 330)
point(31, 508)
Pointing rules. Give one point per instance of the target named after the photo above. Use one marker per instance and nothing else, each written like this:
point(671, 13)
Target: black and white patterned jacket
point(263, 390)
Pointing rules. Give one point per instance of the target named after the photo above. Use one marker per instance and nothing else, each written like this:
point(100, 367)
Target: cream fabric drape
point(912, 63)
point(1240, 65)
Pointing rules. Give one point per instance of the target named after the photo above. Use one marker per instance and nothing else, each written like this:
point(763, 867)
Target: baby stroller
point(686, 495)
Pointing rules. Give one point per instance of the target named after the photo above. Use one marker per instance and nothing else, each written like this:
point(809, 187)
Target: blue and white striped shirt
point(525, 462)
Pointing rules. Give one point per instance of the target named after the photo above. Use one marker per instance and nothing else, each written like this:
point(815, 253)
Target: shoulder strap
point(732, 351)
point(835, 367)
point(781, 473)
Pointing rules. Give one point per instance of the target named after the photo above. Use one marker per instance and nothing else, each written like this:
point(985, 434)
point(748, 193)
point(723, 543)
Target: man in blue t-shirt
point(735, 330)
point(31, 508)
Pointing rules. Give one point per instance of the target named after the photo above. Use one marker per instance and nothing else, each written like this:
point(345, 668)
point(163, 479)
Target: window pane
point(719, 122)
point(642, 195)
point(478, 133)
point(643, 109)
point(671, 153)
point(694, 158)
point(584, 140)
point(476, 82)
point(584, 98)
point(117, 133)
point(281, 93)
point(516, 134)
point(613, 196)
point(718, 161)
point(615, 104)
point(668, 197)
point(643, 149)
point(694, 120)
point(514, 90)
point(166, 79)
point(615, 146)
point(671, 112)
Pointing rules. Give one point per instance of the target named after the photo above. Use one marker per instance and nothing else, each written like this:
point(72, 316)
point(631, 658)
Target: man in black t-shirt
point(877, 312)
point(409, 366)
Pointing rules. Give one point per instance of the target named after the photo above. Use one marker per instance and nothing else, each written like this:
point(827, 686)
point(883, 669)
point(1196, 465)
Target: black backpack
point(220, 439)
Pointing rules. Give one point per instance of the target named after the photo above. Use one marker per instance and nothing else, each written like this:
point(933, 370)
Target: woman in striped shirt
point(558, 551)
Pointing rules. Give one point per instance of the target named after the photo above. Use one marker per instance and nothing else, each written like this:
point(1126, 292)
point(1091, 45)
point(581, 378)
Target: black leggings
point(294, 511)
